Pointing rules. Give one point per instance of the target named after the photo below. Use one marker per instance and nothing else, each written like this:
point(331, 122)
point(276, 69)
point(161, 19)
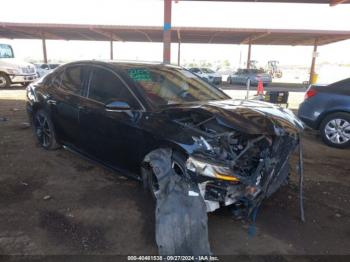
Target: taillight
point(310, 93)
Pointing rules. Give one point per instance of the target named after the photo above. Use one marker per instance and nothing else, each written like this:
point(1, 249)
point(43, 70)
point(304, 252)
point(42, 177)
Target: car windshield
point(53, 66)
point(167, 85)
point(5, 51)
point(207, 70)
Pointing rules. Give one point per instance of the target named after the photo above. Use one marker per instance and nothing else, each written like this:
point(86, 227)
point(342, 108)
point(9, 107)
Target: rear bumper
point(309, 115)
point(23, 78)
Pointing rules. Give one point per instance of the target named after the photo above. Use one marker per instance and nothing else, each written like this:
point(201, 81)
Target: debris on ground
point(3, 119)
point(47, 197)
point(181, 215)
point(24, 125)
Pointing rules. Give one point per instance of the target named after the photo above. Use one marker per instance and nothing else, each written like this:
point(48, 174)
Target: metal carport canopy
point(330, 2)
point(204, 35)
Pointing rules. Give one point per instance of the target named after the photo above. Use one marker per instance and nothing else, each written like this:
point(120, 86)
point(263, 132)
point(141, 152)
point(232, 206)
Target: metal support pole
point(178, 53)
point(249, 53)
point(313, 62)
point(167, 32)
point(111, 49)
point(248, 88)
point(44, 50)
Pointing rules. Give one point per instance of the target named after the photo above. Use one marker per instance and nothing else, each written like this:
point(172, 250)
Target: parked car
point(225, 73)
point(237, 151)
point(13, 71)
point(327, 108)
point(43, 69)
point(242, 76)
point(207, 74)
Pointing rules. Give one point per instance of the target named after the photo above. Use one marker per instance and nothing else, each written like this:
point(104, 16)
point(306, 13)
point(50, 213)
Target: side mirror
point(117, 106)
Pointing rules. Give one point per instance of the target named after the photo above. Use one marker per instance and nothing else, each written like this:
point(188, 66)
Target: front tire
point(44, 130)
point(5, 81)
point(335, 130)
point(178, 164)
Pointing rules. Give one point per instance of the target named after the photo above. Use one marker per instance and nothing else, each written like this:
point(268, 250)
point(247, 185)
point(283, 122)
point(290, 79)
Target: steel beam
point(44, 50)
point(178, 53)
point(111, 50)
point(313, 62)
point(107, 35)
point(249, 52)
point(178, 47)
point(167, 32)
point(337, 2)
point(254, 37)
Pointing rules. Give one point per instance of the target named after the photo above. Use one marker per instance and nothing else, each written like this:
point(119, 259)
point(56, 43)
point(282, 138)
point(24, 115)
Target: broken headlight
point(210, 170)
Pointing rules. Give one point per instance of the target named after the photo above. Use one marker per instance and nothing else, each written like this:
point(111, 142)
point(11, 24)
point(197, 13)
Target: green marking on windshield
point(139, 74)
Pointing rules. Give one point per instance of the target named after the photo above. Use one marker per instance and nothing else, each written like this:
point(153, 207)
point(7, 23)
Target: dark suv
point(327, 108)
point(117, 113)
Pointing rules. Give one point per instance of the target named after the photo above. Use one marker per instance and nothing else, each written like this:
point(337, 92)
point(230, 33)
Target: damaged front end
point(234, 167)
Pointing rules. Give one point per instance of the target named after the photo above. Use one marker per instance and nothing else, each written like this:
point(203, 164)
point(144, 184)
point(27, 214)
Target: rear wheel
point(5, 81)
point(178, 164)
point(44, 130)
point(335, 130)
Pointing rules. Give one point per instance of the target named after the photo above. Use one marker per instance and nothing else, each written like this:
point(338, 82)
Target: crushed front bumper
point(247, 192)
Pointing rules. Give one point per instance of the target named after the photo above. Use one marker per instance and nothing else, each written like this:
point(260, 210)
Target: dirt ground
point(55, 202)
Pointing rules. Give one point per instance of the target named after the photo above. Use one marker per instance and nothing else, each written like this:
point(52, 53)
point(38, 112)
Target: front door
point(112, 136)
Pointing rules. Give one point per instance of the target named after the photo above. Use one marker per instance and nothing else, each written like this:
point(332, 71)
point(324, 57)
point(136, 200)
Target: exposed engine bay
point(235, 168)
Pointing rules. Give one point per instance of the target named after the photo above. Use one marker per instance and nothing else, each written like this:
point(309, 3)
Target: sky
point(205, 14)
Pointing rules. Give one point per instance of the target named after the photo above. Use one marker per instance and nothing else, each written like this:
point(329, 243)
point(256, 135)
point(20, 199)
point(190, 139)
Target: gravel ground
point(55, 202)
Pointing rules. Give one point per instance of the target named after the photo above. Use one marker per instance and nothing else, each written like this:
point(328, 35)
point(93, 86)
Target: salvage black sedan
point(117, 113)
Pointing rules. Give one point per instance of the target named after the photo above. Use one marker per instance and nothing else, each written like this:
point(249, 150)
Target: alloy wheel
point(338, 131)
point(42, 129)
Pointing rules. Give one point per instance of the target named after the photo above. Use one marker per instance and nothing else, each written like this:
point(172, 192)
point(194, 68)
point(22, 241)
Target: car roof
point(128, 63)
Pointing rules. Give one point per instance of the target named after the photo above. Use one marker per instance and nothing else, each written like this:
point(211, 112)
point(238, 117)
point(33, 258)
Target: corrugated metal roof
point(183, 34)
point(330, 2)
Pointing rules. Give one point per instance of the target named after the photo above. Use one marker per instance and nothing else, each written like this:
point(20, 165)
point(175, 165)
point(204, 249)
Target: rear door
point(68, 86)
point(111, 136)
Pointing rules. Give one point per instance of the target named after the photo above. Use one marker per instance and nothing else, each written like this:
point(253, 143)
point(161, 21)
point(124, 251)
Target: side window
point(73, 79)
point(56, 79)
point(106, 87)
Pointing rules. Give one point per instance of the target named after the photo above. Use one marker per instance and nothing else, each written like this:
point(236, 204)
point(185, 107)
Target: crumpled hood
point(248, 116)
point(13, 63)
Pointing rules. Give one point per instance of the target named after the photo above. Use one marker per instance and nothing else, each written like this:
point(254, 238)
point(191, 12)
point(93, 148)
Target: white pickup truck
point(13, 71)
